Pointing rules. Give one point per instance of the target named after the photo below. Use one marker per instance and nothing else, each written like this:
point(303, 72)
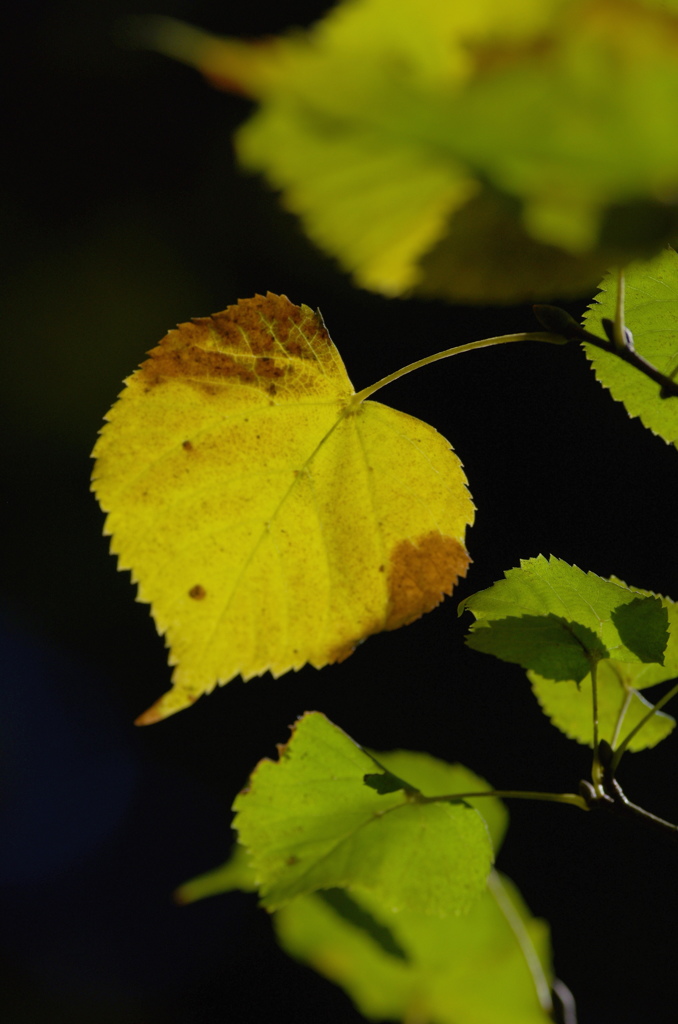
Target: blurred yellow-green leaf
point(399, 129)
point(457, 970)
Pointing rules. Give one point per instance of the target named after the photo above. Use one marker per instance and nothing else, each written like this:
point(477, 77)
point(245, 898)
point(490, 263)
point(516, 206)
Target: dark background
point(123, 214)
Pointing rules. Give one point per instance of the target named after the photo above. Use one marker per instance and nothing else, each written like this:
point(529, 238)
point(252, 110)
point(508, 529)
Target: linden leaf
point(470, 150)
point(455, 970)
point(309, 822)
point(557, 648)
point(651, 313)
point(434, 777)
point(630, 633)
point(269, 519)
point(620, 705)
point(565, 597)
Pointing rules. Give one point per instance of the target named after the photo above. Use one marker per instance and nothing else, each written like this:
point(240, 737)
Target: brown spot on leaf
point(421, 574)
point(251, 343)
point(187, 446)
point(267, 367)
point(197, 592)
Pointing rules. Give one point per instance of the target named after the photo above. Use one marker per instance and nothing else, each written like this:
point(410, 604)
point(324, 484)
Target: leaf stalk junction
point(618, 339)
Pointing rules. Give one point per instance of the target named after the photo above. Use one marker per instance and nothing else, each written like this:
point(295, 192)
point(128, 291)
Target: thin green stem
point(508, 794)
point(596, 768)
point(502, 339)
point(619, 752)
point(621, 716)
point(524, 940)
point(619, 332)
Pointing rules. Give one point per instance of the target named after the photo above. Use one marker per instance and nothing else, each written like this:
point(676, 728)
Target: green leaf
point(548, 644)
point(309, 822)
point(543, 587)
point(643, 626)
point(642, 676)
point(468, 970)
point(620, 707)
point(434, 777)
point(652, 316)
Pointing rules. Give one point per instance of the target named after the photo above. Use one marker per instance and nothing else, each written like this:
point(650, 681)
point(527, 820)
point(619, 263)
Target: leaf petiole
point(508, 794)
point(620, 750)
point(560, 322)
point(596, 768)
point(620, 338)
point(501, 339)
point(524, 940)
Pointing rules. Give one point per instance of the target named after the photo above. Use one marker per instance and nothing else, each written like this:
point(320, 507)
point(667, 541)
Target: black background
point(123, 214)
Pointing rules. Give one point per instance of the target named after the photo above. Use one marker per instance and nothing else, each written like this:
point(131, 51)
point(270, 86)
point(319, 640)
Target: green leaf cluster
point(559, 623)
point(408, 917)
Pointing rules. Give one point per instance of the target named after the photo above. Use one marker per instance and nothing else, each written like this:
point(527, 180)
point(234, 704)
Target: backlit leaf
point(455, 970)
point(236, 873)
point(652, 316)
point(552, 588)
point(309, 822)
point(432, 777)
point(557, 648)
point(620, 706)
point(398, 130)
point(270, 520)
point(629, 623)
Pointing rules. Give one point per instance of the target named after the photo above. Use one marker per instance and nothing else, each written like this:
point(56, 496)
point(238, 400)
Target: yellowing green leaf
point(620, 707)
point(455, 970)
point(269, 519)
point(398, 130)
point(652, 316)
point(310, 822)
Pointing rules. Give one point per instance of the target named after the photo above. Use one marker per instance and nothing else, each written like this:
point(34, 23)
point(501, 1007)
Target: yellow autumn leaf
point(270, 516)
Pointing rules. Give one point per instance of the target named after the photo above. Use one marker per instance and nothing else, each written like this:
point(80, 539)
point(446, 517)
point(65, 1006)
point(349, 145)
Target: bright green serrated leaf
point(548, 644)
point(468, 970)
point(309, 822)
point(652, 316)
point(620, 707)
point(552, 587)
point(643, 627)
point(642, 676)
